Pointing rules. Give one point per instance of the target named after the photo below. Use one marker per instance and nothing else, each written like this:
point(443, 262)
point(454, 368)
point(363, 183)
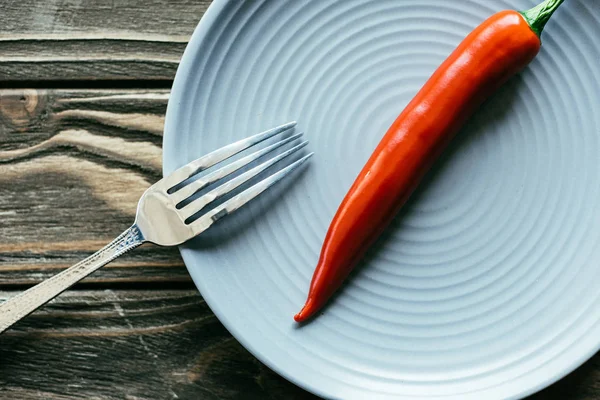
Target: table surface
point(83, 91)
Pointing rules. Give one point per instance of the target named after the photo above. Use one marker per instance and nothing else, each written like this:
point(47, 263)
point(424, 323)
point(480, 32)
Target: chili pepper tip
point(307, 311)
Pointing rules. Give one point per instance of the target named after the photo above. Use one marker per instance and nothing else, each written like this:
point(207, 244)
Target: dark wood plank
point(131, 345)
point(582, 384)
point(72, 166)
point(94, 40)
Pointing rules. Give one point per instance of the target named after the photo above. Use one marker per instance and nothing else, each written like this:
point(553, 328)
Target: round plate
point(487, 286)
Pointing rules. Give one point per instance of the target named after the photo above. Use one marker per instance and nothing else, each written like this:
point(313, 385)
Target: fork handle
point(25, 303)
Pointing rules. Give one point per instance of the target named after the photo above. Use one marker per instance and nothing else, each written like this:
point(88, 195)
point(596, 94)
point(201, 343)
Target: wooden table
point(83, 89)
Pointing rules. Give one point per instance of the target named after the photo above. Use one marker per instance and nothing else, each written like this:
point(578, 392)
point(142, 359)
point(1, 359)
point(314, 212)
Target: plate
point(487, 286)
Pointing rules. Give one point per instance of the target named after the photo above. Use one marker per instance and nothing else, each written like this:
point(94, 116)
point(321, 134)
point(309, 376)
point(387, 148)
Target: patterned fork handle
point(30, 300)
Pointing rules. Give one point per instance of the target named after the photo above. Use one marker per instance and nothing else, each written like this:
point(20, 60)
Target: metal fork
point(165, 211)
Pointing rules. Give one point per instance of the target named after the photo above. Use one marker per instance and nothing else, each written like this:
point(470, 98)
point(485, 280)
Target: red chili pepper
point(491, 54)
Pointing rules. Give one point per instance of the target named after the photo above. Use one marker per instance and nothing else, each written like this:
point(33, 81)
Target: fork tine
point(233, 204)
point(221, 154)
point(227, 170)
point(201, 202)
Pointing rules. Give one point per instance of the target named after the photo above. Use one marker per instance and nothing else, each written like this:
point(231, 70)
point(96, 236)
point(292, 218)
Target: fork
point(166, 211)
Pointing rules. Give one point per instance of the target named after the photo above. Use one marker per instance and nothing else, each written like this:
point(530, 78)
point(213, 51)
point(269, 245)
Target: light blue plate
point(488, 284)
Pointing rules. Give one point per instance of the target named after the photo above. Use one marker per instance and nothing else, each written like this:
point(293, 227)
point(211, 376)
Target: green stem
point(539, 15)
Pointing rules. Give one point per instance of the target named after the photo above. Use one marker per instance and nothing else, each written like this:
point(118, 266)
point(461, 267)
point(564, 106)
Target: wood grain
point(57, 40)
point(73, 164)
point(131, 345)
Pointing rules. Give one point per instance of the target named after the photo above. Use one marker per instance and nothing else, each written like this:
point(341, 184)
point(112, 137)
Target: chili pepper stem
point(538, 16)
